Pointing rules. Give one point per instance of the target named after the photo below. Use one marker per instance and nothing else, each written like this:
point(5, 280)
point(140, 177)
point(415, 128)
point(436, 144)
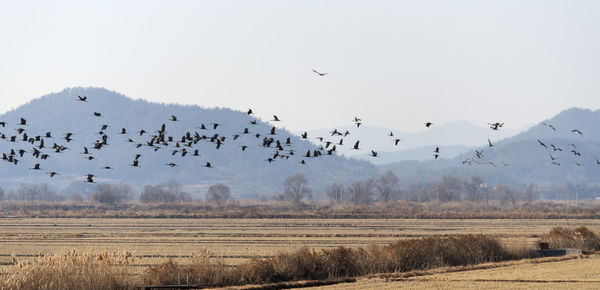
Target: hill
point(247, 172)
point(521, 159)
point(455, 136)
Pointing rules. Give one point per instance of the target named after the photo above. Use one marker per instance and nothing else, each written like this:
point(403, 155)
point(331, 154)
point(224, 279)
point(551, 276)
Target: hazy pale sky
point(396, 64)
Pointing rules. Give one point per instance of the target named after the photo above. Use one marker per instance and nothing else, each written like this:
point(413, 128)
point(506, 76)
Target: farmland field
point(578, 273)
point(237, 240)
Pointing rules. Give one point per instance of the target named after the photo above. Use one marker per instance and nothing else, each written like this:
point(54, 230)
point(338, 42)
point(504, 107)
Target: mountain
point(247, 172)
point(526, 160)
point(454, 135)
point(420, 154)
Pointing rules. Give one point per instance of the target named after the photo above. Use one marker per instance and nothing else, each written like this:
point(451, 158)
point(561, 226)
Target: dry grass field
point(575, 273)
point(237, 240)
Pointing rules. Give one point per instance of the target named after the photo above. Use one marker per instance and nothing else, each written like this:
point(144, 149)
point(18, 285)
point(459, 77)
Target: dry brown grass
point(72, 270)
point(307, 264)
point(316, 209)
point(580, 238)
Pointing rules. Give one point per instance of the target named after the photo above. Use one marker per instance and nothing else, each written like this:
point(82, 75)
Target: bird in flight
point(356, 145)
point(549, 125)
point(396, 141)
point(490, 142)
point(495, 126)
point(82, 99)
point(577, 131)
point(275, 118)
point(542, 143)
point(90, 178)
point(428, 124)
point(319, 73)
point(374, 154)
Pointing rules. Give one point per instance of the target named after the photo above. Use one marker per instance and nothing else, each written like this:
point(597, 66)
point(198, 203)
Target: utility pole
point(437, 194)
point(577, 195)
point(568, 196)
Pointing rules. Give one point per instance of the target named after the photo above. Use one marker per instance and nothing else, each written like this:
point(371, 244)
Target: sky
point(395, 64)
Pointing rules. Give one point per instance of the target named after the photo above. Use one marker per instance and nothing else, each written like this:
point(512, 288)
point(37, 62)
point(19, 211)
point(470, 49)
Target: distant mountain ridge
point(247, 172)
point(454, 135)
point(526, 160)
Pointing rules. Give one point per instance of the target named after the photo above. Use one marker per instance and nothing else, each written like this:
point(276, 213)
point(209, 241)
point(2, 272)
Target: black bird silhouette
point(597, 161)
point(171, 164)
point(123, 131)
point(302, 162)
point(490, 142)
point(36, 167)
point(215, 125)
point(356, 146)
point(358, 124)
point(549, 125)
point(373, 154)
point(542, 143)
point(479, 154)
point(107, 167)
point(577, 131)
point(437, 149)
point(52, 173)
point(552, 157)
point(96, 114)
point(428, 124)
point(3, 124)
point(82, 99)
point(304, 135)
point(396, 141)
point(249, 112)
point(173, 118)
point(207, 165)
point(135, 163)
point(23, 122)
point(435, 155)
point(275, 118)
point(555, 163)
point(319, 73)
point(495, 126)
point(90, 178)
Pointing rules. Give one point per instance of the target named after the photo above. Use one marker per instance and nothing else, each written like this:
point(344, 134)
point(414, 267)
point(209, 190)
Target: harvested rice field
point(236, 240)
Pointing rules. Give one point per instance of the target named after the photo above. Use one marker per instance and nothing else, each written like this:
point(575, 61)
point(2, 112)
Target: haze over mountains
point(526, 160)
point(248, 172)
point(456, 137)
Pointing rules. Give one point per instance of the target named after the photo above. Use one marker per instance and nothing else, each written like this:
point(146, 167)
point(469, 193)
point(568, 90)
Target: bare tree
point(111, 193)
point(387, 186)
point(296, 188)
point(32, 192)
point(450, 187)
point(473, 188)
point(335, 192)
point(218, 193)
point(361, 192)
point(529, 194)
point(506, 194)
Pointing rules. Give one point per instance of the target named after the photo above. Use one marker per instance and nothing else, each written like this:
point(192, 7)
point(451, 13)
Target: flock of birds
point(185, 145)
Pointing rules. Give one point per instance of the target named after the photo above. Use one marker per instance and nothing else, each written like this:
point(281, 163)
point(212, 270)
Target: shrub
point(72, 270)
point(580, 238)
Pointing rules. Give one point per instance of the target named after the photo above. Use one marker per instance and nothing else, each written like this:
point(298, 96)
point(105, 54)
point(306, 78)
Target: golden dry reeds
point(580, 238)
point(72, 270)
